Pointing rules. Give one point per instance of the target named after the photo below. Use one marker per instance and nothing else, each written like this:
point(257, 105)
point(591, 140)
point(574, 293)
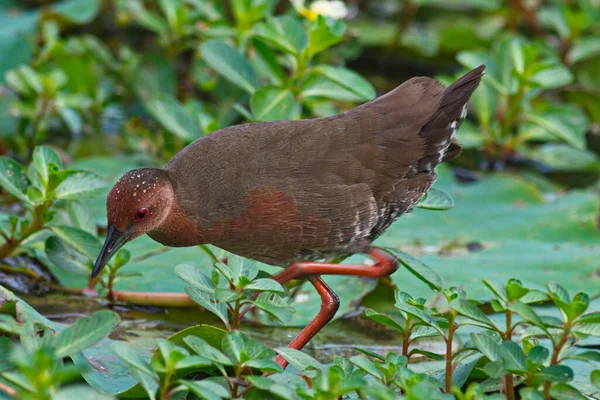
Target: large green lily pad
point(503, 227)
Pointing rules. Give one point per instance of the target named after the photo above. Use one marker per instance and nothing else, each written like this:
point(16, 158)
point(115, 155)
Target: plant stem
point(406, 338)
point(8, 390)
point(509, 388)
point(449, 340)
point(556, 349)
point(158, 299)
point(36, 225)
point(514, 106)
point(210, 253)
point(405, 18)
point(23, 271)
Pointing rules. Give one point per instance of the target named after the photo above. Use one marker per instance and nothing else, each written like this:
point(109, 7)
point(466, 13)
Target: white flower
point(335, 9)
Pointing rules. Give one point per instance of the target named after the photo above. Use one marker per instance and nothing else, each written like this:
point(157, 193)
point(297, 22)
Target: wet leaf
point(204, 349)
point(14, 179)
point(43, 157)
point(299, 360)
point(436, 199)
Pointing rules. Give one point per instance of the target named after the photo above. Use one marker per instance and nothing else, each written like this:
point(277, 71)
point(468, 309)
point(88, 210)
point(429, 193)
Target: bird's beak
point(114, 241)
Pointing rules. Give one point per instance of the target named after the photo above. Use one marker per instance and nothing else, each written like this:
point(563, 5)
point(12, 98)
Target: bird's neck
point(177, 229)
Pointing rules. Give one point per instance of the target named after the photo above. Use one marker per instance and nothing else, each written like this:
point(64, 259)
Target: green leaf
point(206, 389)
point(593, 317)
point(80, 391)
point(264, 365)
point(285, 33)
point(436, 199)
point(367, 365)
point(79, 240)
point(297, 359)
point(538, 355)
point(563, 157)
point(349, 80)
point(265, 285)
point(488, 344)
point(77, 11)
point(595, 378)
point(551, 74)
point(323, 34)
point(268, 63)
point(80, 185)
point(202, 348)
point(513, 357)
point(84, 333)
point(494, 288)
point(229, 63)
point(556, 373)
point(193, 362)
point(583, 48)
point(515, 289)
point(173, 116)
point(417, 268)
point(589, 355)
point(209, 302)
point(588, 329)
point(271, 103)
point(370, 353)
point(14, 179)
point(468, 309)
point(420, 315)
point(43, 157)
point(233, 345)
point(517, 53)
point(428, 354)
point(526, 312)
point(579, 305)
point(65, 257)
point(562, 391)
point(386, 320)
point(140, 368)
point(195, 278)
point(567, 123)
point(530, 394)
point(274, 305)
point(495, 369)
point(81, 217)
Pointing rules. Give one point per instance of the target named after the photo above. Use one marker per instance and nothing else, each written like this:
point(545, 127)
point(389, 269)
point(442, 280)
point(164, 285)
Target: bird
point(298, 193)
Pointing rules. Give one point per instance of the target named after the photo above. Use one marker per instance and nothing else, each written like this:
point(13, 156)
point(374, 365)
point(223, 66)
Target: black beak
point(114, 241)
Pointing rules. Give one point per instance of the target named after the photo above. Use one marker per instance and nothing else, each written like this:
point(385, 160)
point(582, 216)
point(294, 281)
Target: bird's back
point(288, 190)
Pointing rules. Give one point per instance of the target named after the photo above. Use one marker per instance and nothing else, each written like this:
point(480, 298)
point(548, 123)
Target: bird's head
point(138, 203)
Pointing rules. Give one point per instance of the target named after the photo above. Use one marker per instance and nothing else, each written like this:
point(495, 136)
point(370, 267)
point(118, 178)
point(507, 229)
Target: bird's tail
point(441, 129)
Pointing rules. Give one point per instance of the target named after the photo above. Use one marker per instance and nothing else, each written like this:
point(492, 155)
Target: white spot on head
point(463, 112)
point(134, 194)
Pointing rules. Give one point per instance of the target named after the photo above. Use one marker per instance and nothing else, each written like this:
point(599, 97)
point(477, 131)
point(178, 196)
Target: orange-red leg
point(385, 265)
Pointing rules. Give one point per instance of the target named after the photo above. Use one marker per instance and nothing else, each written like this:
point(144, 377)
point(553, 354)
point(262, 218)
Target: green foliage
point(158, 74)
point(47, 209)
point(237, 289)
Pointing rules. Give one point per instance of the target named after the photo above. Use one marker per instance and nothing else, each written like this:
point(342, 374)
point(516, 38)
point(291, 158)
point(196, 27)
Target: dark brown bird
point(293, 192)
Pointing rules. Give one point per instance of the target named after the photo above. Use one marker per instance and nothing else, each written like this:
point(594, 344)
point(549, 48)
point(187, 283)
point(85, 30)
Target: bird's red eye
point(141, 214)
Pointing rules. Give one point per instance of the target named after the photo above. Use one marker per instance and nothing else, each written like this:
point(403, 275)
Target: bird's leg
point(385, 265)
point(330, 303)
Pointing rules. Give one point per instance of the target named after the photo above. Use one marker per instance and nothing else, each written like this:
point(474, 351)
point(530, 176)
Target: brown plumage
point(296, 190)
point(292, 191)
